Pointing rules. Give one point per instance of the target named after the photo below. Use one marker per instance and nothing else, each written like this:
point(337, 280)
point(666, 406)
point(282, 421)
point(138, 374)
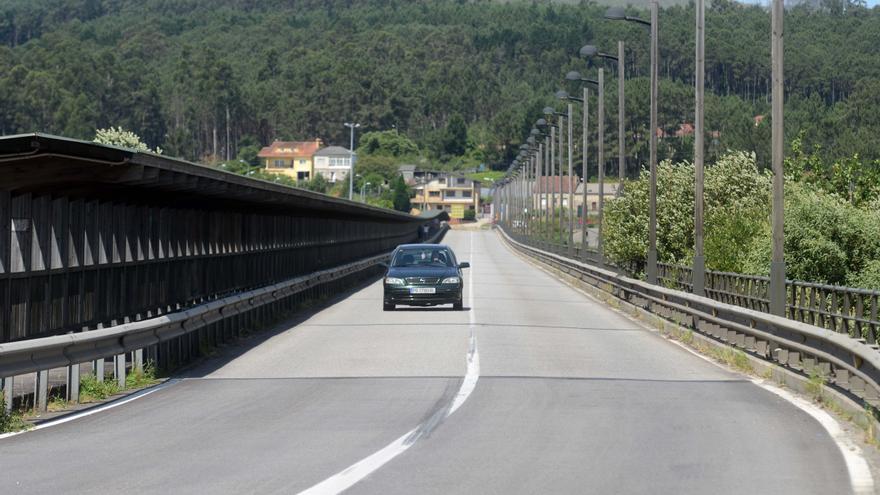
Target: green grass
point(140, 379)
point(11, 421)
point(816, 386)
point(91, 390)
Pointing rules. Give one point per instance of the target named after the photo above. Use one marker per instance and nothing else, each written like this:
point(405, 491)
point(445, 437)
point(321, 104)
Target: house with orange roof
point(292, 158)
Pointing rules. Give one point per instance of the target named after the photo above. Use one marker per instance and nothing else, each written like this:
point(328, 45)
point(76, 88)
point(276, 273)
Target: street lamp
point(539, 170)
point(576, 76)
point(352, 126)
point(590, 51)
point(545, 169)
point(364, 186)
point(777, 265)
point(563, 95)
point(550, 111)
point(619, 14)
point(698, 271)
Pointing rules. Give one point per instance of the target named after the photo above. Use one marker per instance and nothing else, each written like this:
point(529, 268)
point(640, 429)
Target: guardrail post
point(139, 360)
point(6, 390)
point(42, 390)
point(119, 361)
point(99, 370)
point(73, 383)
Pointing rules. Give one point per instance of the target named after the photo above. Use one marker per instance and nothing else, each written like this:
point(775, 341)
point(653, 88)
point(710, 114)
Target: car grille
point(422, 280)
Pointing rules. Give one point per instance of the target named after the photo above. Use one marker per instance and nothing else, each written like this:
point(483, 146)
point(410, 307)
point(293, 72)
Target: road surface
point(570, 397)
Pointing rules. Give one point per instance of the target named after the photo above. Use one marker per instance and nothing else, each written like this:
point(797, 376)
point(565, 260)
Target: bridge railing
point(95, 238)
point(849, 310)
point(846, 310)
point(846, 362)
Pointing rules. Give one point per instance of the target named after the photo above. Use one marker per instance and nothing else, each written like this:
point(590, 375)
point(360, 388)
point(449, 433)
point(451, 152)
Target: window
point(438, 257)
point(434, 194)
point(460, 180)
point(302, 162)
point(451, 194)
point(594, 206)
point(302, 176)
point(466, 194)
point(279, 164)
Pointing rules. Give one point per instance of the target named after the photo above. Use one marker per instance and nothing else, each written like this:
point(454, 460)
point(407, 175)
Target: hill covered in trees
point(202, 78)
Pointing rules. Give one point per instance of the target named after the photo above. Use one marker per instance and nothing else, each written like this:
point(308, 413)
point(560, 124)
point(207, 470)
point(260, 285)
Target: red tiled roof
point(290, 149)
point(556, 184)
point(685, 129)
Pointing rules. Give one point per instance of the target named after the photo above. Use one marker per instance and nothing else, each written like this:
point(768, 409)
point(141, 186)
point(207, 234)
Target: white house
point(333, 162)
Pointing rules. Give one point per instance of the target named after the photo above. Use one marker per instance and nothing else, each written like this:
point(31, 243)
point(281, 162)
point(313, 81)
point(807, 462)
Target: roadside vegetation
point(832, 221)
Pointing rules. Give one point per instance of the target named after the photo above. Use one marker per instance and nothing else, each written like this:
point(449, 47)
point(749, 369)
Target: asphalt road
point(571, 398)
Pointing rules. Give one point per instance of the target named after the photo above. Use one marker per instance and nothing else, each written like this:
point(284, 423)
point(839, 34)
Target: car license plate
point(423, 290)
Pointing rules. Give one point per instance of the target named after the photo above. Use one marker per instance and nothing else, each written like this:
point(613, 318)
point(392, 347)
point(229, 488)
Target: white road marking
point(94, 410)
point(861, 479)
point(859, 473)
point(346, 478)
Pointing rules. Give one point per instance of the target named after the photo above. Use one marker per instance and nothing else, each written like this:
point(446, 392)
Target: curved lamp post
point(590, 51)
point(550, 111)
point(352, 126)
point(619, 14)
point(562, 95)
point(576, 76)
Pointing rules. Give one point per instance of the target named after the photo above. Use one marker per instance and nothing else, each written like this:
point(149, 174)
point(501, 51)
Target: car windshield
point(423, 256)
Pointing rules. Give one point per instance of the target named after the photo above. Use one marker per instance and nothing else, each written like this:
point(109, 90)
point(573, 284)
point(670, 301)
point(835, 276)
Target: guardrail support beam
point(6, 389)
point(119, 361)
point(73, 383)
point(42, 390)
point(99, 370)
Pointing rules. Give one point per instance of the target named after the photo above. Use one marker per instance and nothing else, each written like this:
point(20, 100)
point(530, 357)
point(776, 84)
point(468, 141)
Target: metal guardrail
point(69, 350)
point(848, 364)
point(845, 310)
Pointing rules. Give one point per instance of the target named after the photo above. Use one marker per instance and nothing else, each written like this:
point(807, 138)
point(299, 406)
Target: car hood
point(423, 271)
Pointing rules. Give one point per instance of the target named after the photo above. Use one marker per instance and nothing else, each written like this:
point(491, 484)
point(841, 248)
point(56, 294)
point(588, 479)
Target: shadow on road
point(434, 308)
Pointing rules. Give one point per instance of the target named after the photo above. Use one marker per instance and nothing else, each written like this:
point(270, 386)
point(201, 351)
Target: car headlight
point(451, 280)
point(394, 281)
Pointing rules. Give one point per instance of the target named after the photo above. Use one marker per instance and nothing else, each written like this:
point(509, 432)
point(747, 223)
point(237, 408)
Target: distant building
point(293, 158)
point(333, 162)
point(609, 192)
point(549, 188)
point(408, 172)
point(451, 193)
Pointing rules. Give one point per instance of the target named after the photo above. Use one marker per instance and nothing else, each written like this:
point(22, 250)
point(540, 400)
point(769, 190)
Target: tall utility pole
point(621, 130)
point(570, 236)
point(352, 126)
point(585, 171)
point(552, 204)
point(777, 266)
point(651, 269)
point(545, 189)
point(601, 160)
point(539, 187)
point(699, 268)
point(561, 173)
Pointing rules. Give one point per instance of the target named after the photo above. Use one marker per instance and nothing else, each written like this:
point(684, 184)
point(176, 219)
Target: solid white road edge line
point(861, 479)
point(346, 478)
point(94, 410)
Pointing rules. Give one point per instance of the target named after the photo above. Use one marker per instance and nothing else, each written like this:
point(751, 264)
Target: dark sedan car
point(423, 275)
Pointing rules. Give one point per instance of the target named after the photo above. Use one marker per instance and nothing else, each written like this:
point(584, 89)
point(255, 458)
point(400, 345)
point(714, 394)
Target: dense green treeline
point(201, 78)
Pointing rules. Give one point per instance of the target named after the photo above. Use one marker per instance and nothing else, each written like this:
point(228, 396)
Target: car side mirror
point(464, 264)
